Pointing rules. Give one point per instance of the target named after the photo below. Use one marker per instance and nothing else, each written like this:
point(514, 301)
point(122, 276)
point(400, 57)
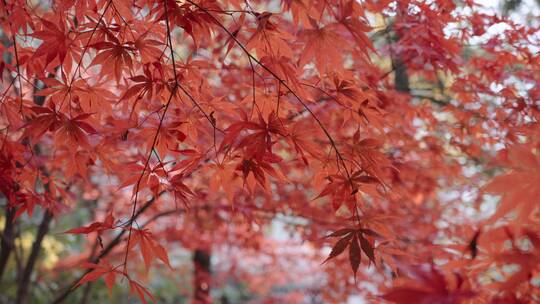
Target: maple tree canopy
point(300, 151)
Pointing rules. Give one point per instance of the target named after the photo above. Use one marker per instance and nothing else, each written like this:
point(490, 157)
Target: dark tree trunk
point(399, 64)
point(202, 276)
point(6, 243)
point(24, 284)
point(401, 77)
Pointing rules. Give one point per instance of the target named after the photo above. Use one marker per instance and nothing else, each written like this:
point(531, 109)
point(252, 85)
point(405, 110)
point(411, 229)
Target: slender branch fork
point(14, 39)
point(175, 87)
point(284, 83)
point(280, 80)
point(71, 287)
point(154, 141)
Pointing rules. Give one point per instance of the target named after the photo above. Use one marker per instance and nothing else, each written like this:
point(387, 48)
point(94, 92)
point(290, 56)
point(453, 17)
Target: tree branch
point(71, 287)
point(23, 288)
point(284, 83)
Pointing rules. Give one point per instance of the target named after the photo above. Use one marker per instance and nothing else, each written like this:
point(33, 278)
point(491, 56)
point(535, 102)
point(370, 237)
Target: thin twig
point(284, 83)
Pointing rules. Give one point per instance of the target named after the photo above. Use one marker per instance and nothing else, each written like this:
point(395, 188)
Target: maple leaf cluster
point(403, 132)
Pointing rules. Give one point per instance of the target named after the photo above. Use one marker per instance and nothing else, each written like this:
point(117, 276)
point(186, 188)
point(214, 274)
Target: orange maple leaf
point(518, 188)
point(150, 249)
point(325, 46)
